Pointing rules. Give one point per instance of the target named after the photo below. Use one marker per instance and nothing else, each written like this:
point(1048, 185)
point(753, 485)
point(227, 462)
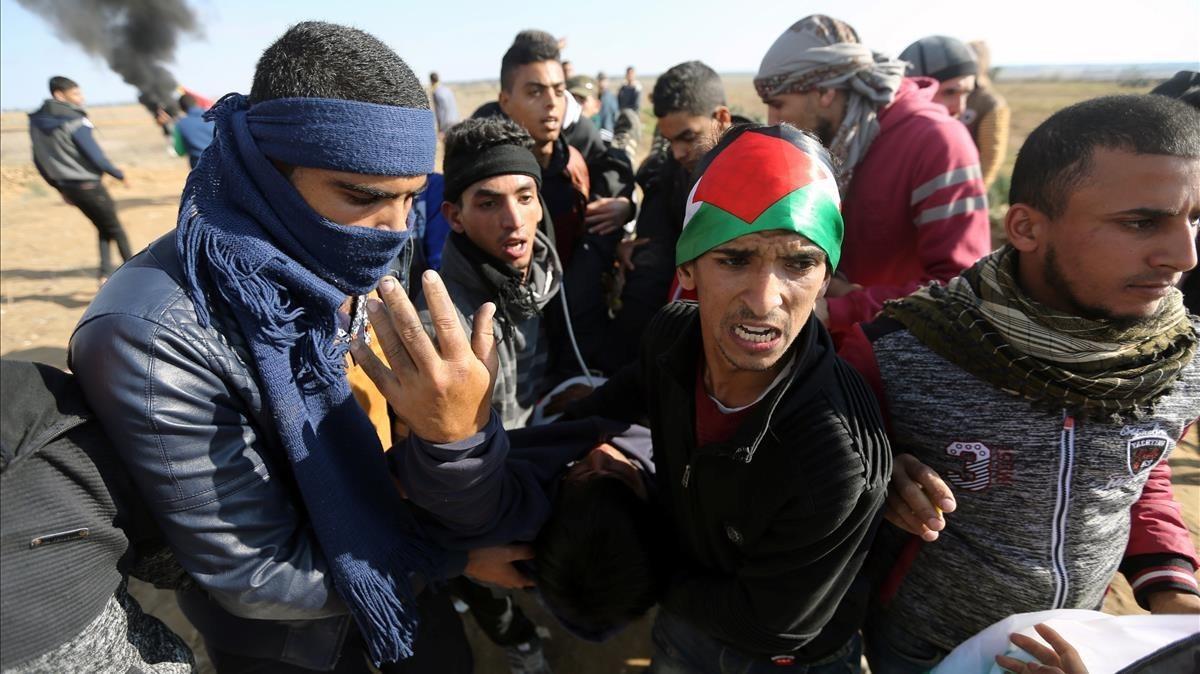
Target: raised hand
point(443, 393)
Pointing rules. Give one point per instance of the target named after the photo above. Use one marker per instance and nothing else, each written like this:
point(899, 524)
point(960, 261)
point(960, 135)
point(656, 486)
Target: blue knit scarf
point(253, 247)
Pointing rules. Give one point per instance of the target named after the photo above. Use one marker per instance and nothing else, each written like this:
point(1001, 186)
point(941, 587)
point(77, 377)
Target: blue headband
point(350, 136)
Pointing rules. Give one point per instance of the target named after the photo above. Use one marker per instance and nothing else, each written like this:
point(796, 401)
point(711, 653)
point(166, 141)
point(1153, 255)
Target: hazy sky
point(465, 40)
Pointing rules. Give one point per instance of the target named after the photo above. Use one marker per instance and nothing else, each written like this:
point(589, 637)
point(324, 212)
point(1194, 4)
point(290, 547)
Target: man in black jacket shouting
point(770, 451)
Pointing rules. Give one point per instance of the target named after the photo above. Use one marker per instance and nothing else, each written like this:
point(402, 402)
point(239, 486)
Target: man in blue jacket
point(68, 157)
point(192, 132)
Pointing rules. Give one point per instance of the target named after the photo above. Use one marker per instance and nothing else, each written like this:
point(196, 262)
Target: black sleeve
point(621, 398)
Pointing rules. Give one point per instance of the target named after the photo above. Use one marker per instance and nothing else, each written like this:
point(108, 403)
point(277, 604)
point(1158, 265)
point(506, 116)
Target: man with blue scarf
point(217, 362)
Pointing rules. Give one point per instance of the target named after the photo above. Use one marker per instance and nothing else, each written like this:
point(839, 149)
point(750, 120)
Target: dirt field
point(48, 263)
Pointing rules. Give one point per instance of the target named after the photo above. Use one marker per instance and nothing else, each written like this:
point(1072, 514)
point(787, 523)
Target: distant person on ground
point(769, 539)
point(629, 96)
point(1039, 395)
point(987, 116)
point(192, 133)
point(915, 205)
point(608, 103)
point(445, 108)
point(690, 105)
point(217, 363)
point(949, 61)
point(67, 156)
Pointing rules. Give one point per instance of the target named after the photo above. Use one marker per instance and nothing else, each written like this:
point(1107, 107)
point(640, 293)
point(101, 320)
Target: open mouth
point(515, 248)
point(756, 334)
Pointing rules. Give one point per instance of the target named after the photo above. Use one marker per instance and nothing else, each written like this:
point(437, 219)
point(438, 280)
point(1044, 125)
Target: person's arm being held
point(1160, 558)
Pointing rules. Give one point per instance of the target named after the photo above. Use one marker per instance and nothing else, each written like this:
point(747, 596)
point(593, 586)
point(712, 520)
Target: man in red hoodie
point(913, 197)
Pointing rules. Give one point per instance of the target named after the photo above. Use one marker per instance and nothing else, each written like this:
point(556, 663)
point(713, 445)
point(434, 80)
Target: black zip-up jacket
point(772, 526)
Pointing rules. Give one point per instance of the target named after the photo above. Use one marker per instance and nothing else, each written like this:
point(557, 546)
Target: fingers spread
point(376, 371)
point(389, 339)
point(483, 338)
point(408, 324)
point(451, 339)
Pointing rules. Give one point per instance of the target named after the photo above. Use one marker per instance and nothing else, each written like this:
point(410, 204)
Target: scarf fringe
point(281, 322)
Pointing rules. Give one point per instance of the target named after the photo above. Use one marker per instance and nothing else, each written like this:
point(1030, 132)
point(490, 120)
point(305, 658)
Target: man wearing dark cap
point(915, 208)
point(217, 362)
point(948, 61)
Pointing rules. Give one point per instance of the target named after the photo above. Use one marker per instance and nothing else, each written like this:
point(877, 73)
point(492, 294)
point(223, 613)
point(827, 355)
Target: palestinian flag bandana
point(758, 179)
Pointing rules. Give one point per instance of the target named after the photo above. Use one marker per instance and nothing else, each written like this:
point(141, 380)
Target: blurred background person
point(68, 157)
point(987, 116)
point(948, 61)
point(629, 97)
point(192, 133)
point(445, 109)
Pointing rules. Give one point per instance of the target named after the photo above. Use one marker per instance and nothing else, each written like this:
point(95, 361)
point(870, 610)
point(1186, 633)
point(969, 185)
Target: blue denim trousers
point(893, 650)
point(680, 648)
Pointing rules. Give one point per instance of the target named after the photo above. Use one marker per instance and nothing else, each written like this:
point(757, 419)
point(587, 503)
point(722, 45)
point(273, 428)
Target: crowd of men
point(347, 388)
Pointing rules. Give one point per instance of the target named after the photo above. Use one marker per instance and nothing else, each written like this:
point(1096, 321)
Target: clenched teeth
point(757, 335)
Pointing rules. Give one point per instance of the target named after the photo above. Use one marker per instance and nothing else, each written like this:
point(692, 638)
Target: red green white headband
point(762, 180)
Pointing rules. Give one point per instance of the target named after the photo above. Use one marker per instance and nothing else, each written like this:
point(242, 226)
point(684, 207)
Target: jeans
point(680, 648)
point(93, 199)
point(892, 650)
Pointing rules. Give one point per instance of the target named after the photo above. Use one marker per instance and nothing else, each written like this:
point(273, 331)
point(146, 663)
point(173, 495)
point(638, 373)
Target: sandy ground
point(48, 262)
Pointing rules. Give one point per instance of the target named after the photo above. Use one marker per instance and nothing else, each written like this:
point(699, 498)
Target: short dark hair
point(530, 46)
point(690, 87)
point(601, 561)
point(315, 59)
point(187, 102)
point(59, 83)
point(1057, 156)
point(433, 77)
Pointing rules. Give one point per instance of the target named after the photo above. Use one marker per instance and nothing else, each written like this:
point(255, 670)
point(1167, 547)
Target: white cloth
point(1106, 643)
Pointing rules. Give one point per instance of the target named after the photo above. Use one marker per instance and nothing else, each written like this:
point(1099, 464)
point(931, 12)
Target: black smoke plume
point(135, 37)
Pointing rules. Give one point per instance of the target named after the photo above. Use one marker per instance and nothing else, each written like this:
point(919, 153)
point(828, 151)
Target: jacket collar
point(813, 353)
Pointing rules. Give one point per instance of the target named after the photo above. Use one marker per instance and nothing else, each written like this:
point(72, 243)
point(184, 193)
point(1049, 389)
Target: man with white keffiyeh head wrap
point(820, 54)
point(913, 198)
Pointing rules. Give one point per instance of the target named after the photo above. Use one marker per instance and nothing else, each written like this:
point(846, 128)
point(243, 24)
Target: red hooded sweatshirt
point(916, 210)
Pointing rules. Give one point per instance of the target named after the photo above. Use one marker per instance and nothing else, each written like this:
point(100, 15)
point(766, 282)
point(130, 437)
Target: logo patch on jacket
point(974, 469)
point(1146, 449)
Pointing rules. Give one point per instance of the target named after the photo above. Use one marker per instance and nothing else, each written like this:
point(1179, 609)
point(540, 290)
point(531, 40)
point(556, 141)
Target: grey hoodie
point(524, 349)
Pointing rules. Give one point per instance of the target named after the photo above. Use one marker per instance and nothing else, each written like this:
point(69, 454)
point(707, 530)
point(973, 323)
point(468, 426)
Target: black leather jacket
point(185, 413)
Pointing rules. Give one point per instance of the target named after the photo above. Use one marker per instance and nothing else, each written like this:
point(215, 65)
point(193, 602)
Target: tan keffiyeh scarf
point(821, 52)
point(984, 323)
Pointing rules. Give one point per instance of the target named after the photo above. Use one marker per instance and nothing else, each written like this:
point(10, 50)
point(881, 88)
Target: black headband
point(499, 160)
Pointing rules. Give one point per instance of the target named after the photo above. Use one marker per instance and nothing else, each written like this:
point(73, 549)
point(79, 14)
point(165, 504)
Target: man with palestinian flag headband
point(770, 451)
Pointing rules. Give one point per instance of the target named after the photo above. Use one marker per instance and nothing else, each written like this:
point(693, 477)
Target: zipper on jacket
point(687, 474)
point(1058, 532)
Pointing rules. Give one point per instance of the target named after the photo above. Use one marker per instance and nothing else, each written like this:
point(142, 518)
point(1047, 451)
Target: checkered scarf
point(822, 52)
point(982, 322)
